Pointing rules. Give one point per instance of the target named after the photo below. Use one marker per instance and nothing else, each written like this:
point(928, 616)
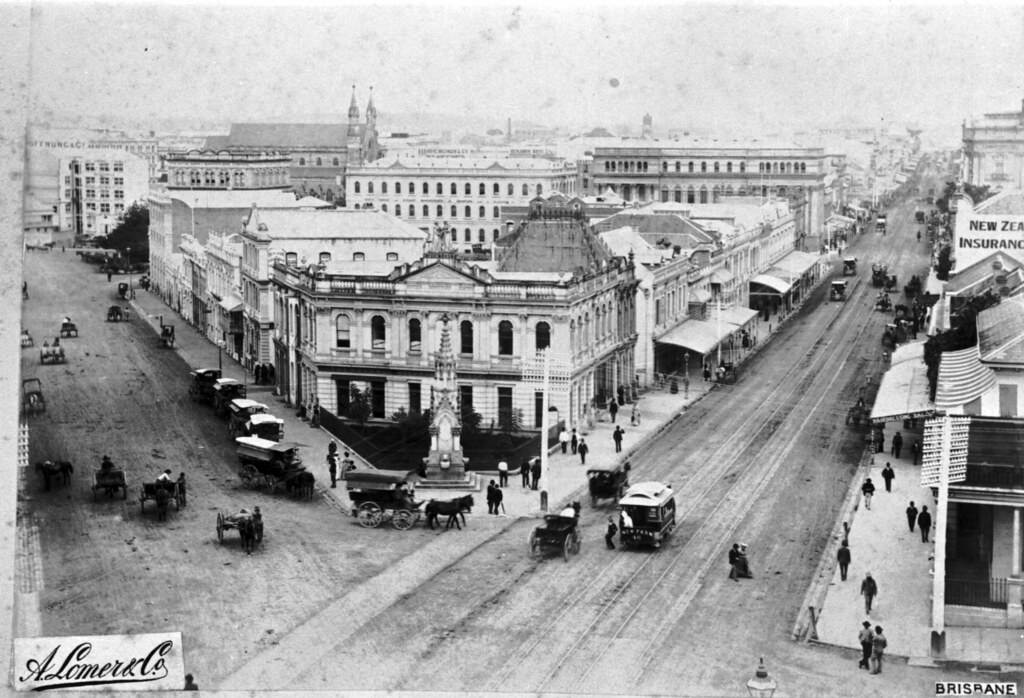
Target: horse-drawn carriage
point(32, 401)
point(265, 426)
point(648, 514)
point(883, 302)
point(558, 532)
point(378, 495)
point(167, 335)
point(68, 329)
point(837, 291)
point(879, 275)
point(262, 462)
point(607, 481)
point(26, 339)
point(849, 266)
point(54, 471)
point(726, 372)
point(109, 480)
point(889, 336)
point(122, 290)
point(891, 283)
point(163, 492)
point(249, 525)
point(52, 354)
point(857, 415)
point(116, 313)
point(201, 389)
point(239, 412)
point(913, 288)
point(224, 390)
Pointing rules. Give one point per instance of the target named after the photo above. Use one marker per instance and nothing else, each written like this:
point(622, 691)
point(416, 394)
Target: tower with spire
point(353, 112)
point(371, 113)
point(445, 462)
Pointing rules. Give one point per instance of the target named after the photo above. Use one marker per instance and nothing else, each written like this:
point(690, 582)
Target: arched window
point(302, 162)
point(383, 187)
point(496, 233)
point(469, 212)
point(440, 210)
point(716, 166)
point(703, 195)
point(803, 167)
point(497, 212)
point(384, 208)
point(540, 189)
point(703, 167)
point(511, 189)
point(358, 256)
point(728, 167)
point(455, 188)
point(325, 257)
point(543, 335)
point(481, 235)
point(426, 210)
point(356, 187)
point(398, 209)
point(482, 189)
point(497, 189)
point(455, 212)
point(483, 212)
point(342, 333)
point(291, 259)
point(468, 188)
point(743, 167)
point(526, 189)
point(468, 235)
point(504, 338)
point(377, 334)
point(440, 189)
point(391, 257)
point(677, 166)
point(319, 162)
point(414, 335)
point(691, 196)
point(466, 337)
point(337, 162)
point(455, 234)
point(678, 195)
point(689, 166)
point(369, 187)
point(426, 188)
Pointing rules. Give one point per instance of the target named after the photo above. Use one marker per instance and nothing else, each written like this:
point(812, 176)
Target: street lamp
point(220, 354)
point(129, 253)
point(762, 685)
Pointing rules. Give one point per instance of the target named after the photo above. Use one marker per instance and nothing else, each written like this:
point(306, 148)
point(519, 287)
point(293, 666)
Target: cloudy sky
point(731, 67)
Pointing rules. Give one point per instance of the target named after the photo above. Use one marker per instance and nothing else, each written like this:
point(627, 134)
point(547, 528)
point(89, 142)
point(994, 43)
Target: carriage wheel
point(567, 547)
point(124, 490)
point(220, 527)
point(403, 520)
point(576, 538)
point(534, 543)
point(369, 515)
point(259, 531)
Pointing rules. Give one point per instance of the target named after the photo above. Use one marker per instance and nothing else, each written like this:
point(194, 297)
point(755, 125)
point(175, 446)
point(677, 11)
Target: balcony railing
point(1003, 477)
point(990, 593)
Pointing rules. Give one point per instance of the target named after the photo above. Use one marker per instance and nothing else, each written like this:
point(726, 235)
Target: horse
point(452, 508)
point(54, 468)
point(302, 485)
point(163, 498)
point(250, 529)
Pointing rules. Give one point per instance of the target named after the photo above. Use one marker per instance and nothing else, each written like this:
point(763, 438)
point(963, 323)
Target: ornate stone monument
point(445, 462)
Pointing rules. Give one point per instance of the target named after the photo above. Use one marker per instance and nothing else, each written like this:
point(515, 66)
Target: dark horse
point(50, 469)
point(163, 498)
point(250, 529)
point(452, 508)
point(302, 485)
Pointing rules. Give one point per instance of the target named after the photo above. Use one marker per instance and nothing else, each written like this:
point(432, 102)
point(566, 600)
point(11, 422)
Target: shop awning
point(842, 220)
point(700, 336)
point(911, 351)
point(903, 393)
point(796, 263)
point(231, 303)
point(962, 378)
point(772, 282)
point(721, 276)
point(735, 315)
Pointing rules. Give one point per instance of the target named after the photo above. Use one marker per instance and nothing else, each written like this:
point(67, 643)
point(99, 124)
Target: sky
point(731, 68)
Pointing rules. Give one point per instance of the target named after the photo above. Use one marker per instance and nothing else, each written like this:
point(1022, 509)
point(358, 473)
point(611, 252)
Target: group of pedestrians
point(872, 645)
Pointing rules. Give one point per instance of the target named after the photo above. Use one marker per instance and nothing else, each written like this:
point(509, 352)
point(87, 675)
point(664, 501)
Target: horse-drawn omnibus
point(377, 495)
point(648, 514)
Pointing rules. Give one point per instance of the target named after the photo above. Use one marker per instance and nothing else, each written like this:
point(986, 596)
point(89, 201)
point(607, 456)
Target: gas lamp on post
point(762, 685)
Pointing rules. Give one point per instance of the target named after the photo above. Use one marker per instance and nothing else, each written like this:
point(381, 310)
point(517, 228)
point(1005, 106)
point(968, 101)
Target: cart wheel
point(567, 547)
point(576, 539)
point(403, 520)
point(124, 491)
point(220, 527)
point(259, 531)
point(369, 515)
point(534, 543)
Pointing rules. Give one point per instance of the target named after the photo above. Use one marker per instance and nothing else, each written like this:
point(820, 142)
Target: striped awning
point(962, 378)
point(772, 282)
point(700, 336)
point(721, 276)
point(903, 393)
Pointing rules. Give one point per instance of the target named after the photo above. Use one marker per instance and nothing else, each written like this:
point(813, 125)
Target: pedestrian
point(924, 523)
point(634, 418)
point(869, 590)
point(498, 497)
point(574, 442)
point(911, 516)
point(583, 450)
point(865, 636)
point(610, 532)
point(110, 275)
point(897, 444)
point(843, 556)
point(878, 645)
point(315, 423)
point(734, 556)
point(563, 439)
point(524, 472)
point(257, 373)
point(707, 369)
point(190, 683)
point(613, 408)
point(332, 468)
point(868, 490)
point(491, 500)
point(535, 472)
point(880, 439)
point(617, 438)
point(503, 473)
point(888, 475)
point(915, 450)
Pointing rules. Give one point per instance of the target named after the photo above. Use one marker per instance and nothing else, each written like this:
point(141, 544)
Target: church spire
point(371, 111)
point(353, 108)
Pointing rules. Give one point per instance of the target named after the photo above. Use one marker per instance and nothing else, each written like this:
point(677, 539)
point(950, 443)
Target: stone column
point(1015, 584)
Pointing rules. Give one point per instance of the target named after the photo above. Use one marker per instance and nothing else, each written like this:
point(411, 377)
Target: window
point(414, 336)
point(482, 189)
point(481, 235)
point(511, 189)
point(543, 335)
point(716, 167)
point(302, 162)
point(398, 188)
point(319, 162)
point(291, 259)
point(325, 257)
point(505, 338)
point(343, 392)
point(454, 188)
point(466, 337)
point(483, 212)
point(468, 188)
point(455, 234)
point(336, 162)
point(426, 188)
point(104, 208)
point(377, 399)
point(383, 187)
point(104, 193)
point(678, 168)
point(440, 210)
point(526, 190)
point(90, 193)
point(743, 167)
point(496, 233)
point(414, 398)
point(384, 208)
point(377, 335)
point(355, 187)
point(369, 187)
point(505, 408)
point(342, 332)
point(678, 195)
point(689, 166)
point(455, 212)
point(728, 167)
point(90, 167)
point(497, 212)
point(391, 257)
point(540, 189)
point(440, 189)
point(118, 181)
point(358, 256)
point(104, 167)
point(497, 188)
point(118, 167)
point(468, 235)
point(398, 209)
point(426, 211)
point(469, 212)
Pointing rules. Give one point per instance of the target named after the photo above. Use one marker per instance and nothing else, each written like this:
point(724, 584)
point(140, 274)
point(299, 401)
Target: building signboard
point(978, 236)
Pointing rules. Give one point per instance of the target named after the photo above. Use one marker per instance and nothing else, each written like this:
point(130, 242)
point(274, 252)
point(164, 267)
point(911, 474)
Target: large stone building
point(993, 150)
point(554, 284)
point(468, 194)
point(320, 154)
point(96, 188)
point(225, 170)
point(648, 171)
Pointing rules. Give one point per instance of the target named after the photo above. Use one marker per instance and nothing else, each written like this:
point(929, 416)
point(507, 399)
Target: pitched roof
point(1001, 332)
point(981, 271)
point(1010, 202)
point(962, 378)
point(285, 135)
point(553, 245)
point(336, 223)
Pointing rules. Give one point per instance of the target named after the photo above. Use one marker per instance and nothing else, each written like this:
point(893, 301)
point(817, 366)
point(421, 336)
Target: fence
point(989, 593)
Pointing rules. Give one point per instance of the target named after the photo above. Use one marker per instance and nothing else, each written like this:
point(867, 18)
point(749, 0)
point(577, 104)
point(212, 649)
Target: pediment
point(441, 275)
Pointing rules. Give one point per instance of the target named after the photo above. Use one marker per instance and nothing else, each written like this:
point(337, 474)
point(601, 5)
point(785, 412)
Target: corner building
point(554, 284)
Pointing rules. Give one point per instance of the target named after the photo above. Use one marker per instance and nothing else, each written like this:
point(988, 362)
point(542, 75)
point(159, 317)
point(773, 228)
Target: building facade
point(993, 150)
point(224, 170)
point(95, 189)
point(467, 194)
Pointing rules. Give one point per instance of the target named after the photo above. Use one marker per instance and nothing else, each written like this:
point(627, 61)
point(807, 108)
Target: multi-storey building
point(205, 169)
point(223, 319)
point(320, 154)
point(993, 150)
point(95, 189)
point(467, 194)
point(555, 284)
point(706, 173)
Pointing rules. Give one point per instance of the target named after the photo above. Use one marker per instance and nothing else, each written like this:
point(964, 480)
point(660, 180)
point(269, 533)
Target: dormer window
point(358, 256)
point(291, 259)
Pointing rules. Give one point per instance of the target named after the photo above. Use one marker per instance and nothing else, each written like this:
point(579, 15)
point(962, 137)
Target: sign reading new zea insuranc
point(978, 236)
point(146, 662)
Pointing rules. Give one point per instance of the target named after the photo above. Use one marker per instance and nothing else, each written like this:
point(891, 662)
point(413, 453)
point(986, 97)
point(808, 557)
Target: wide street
point(325, 604)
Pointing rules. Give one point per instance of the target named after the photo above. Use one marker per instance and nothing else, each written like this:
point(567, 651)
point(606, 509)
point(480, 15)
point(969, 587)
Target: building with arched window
point(551, 275)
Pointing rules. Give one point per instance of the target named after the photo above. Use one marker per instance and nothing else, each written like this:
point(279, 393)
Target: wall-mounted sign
point(978, 236)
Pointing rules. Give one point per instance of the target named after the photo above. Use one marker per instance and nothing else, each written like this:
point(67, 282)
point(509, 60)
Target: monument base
point(468, 481)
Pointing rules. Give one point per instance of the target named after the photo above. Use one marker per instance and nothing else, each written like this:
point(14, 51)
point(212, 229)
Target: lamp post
point(547, 372)
point(129, 255)
point(762, 685)
point(686, 375)
point(220, 355)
